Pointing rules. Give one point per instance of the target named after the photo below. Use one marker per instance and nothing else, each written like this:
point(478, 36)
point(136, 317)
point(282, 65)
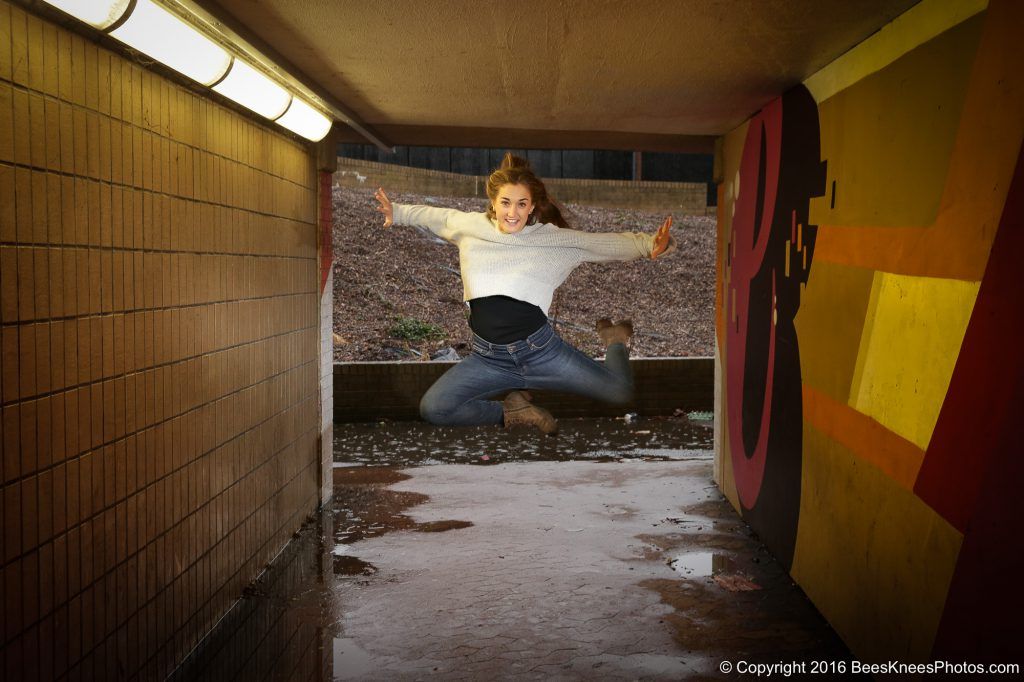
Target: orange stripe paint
point(991, 129)
point(864, 437)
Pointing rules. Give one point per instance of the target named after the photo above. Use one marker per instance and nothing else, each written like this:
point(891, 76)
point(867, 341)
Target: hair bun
point(513, 161)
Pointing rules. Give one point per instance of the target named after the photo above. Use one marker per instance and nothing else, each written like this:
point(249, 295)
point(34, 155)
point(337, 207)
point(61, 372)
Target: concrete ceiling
point(606, 74)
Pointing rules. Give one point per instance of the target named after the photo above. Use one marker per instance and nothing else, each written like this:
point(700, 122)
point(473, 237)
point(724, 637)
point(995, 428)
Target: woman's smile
point(512, 207)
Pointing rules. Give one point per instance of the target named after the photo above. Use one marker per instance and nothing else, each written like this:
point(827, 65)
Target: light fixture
point(253, 90)
point(97, 13)
point(154, 31)
point(304, 120)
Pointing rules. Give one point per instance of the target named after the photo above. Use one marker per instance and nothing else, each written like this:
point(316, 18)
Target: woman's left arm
point(611, 246)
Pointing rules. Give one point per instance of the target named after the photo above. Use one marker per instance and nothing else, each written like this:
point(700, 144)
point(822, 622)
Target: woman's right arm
point(430, 217)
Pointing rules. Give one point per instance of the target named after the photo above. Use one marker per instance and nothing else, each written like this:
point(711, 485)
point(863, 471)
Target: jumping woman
point(512, 259)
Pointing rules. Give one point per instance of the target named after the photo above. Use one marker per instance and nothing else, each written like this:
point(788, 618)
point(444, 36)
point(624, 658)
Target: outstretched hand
point(385, 207)
point(663, 242)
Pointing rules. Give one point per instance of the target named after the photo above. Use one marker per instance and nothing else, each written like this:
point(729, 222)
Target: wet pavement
point(605, 552)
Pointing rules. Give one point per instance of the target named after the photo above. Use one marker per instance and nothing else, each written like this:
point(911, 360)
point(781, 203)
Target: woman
point(512, 258)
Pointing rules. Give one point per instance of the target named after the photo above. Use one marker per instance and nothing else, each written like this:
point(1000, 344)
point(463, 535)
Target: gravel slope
point(381, 276)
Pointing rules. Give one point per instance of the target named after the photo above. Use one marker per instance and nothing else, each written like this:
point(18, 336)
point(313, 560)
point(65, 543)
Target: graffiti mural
point(768, 260)
point(867, 405)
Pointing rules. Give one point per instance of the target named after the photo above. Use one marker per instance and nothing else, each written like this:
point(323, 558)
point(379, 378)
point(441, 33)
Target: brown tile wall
point(272, 636)
point(368, 391)
point(158, 356)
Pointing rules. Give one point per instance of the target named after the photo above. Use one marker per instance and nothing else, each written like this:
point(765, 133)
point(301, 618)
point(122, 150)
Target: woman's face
point(512, 207)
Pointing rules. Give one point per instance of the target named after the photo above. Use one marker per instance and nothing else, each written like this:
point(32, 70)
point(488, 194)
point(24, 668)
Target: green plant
point(411, 329)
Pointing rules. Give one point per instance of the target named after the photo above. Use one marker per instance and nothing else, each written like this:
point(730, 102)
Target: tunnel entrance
point(398, 292)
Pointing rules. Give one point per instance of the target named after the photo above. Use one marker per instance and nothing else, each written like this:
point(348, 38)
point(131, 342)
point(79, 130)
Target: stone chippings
point(381, 275)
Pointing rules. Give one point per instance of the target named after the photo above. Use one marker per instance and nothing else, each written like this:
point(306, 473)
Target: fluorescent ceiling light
point(168, 39)
point(171, 40)
point(253, 90)
point(305, 120)
point(97, 13)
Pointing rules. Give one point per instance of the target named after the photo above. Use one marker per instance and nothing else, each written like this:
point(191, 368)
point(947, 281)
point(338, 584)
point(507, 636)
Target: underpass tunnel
point(167, 384)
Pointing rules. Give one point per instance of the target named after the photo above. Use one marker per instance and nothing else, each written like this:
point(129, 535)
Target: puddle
point(363, 507)
point(646, 454)
point(350, 565)
point(354, 474)
point(441, 526)
point(702, 564)
point(351, 662)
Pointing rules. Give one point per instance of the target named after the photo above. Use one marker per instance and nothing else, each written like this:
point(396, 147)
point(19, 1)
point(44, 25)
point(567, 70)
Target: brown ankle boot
point(520, 412)
point(620, 332)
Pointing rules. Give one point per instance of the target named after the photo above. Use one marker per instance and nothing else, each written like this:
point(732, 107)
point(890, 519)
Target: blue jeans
point(542, 361)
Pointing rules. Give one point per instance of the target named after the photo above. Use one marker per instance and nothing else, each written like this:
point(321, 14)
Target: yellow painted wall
point(889, 135)
point(908, 348)
point(873, 558)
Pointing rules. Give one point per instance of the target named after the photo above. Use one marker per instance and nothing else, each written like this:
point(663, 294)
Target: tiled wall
point(368, 391)
point(271, 636)
point(159, 374)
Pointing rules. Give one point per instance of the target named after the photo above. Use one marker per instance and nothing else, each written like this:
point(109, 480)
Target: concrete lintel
point(450, 136)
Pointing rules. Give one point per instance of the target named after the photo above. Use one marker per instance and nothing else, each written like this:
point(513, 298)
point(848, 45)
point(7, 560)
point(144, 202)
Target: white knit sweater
point(527, 265)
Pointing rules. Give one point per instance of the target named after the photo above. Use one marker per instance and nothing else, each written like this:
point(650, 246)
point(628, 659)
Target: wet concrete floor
point(605, 552)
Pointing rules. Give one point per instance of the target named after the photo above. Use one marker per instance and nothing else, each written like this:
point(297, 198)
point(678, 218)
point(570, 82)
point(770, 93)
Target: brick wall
point(159, 374)
point(367, 391)
point(681, 198)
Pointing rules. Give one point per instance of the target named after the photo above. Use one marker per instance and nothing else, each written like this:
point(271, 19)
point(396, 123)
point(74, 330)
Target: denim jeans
point(542, 361)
